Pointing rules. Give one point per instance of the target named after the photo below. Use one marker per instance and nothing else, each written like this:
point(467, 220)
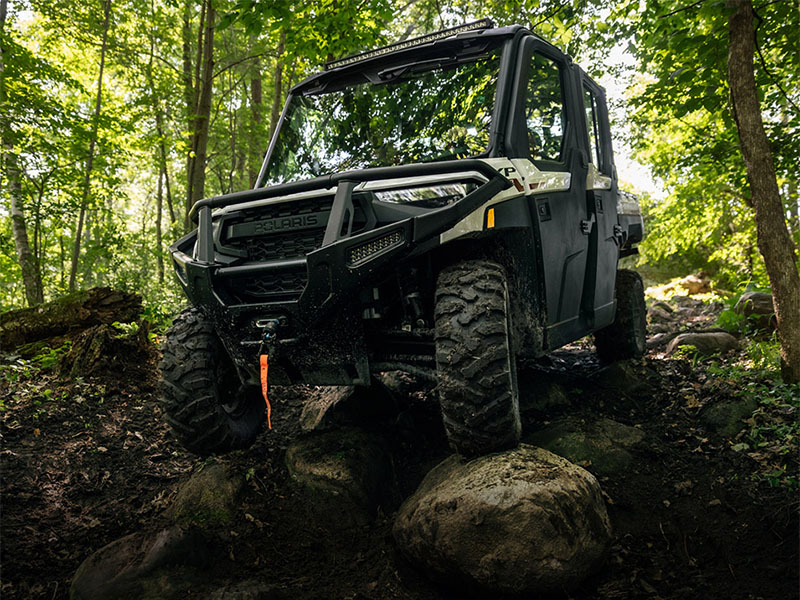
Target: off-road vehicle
point(443, 205)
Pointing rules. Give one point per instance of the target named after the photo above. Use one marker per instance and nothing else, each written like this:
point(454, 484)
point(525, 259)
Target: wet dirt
point(85, 462)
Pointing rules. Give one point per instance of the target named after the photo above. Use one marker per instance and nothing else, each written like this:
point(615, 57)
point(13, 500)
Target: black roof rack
point(418, 41)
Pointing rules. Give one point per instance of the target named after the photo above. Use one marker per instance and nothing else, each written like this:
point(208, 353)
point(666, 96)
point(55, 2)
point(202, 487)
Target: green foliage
point(48, 357)
point(683, 128)
point(773, 432)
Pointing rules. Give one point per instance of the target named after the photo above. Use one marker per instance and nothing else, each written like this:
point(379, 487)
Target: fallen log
point(78, 310)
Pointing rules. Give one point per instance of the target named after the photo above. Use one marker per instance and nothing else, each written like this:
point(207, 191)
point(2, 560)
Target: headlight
point(434, 196)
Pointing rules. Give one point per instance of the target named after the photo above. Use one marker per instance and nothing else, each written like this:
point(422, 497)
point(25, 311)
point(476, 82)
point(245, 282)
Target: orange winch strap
point(265, 388)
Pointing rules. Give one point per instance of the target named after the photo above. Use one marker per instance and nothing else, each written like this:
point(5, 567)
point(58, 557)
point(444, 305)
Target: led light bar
point(364, 251)
point(425, 39)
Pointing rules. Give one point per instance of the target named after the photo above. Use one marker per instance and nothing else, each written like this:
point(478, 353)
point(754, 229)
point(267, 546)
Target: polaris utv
point(443, 205)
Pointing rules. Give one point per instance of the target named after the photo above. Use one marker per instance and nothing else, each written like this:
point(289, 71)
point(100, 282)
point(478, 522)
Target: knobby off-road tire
point(475, 359)
point(204, 401)
point(626, 336)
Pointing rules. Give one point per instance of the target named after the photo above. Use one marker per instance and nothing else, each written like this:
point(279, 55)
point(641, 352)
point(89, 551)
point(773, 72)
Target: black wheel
point(204, 401)
point(626, 336)
point(475, 358)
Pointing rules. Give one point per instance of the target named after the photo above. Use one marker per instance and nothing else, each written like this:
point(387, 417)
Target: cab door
point(547, 130)
point(601, 227)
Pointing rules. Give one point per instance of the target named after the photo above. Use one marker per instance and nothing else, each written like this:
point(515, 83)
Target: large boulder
point(521, 522)
point(714, 342)
point(164, 565)
point(345, 474)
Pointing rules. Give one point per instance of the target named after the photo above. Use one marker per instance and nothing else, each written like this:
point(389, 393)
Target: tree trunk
point(76, 250)
point(278, 81)
point(774, 241)
point(257, 145)
point(26, 259)
point(203, 112)
point(188, 100)
point(159, 216)
point(75, 310)
point(31, 276)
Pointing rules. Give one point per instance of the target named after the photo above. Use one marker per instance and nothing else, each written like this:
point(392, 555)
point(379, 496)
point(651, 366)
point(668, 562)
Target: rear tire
point(206, 405)
point(626, 336)
point(475, 359)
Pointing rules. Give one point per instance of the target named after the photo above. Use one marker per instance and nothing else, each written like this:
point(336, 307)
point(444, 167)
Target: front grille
point(275, 246)
point(274, 286)
point(280, 245)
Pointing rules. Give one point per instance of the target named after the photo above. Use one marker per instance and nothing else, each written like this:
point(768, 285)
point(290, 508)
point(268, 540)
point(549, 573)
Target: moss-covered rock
point(601, 447)
point(209, 498)
point(726, 417)
point(162, 565)
point(525, 523)
point(345, 474)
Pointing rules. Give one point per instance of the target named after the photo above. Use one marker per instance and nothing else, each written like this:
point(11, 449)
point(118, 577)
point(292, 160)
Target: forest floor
point(698, 514)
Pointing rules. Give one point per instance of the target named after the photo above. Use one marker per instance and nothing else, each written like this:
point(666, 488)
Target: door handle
point(587, 224)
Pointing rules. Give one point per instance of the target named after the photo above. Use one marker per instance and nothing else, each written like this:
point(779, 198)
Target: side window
point(544, 110)
point(593, 127)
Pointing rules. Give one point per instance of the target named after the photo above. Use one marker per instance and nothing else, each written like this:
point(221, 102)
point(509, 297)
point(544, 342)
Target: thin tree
point(773, 237)
point(200, 109)
point(31, 275)
point(76, 248)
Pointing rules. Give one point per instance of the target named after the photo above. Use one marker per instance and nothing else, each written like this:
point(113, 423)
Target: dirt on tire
point(199, 383)
point(475, 359)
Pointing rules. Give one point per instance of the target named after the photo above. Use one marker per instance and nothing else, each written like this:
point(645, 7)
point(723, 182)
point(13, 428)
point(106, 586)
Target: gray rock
point(319, 404)
point(726, 417)
point(601, 447)
point(346, 474)
point(656, 314)
point(519, 522)
point(661, 339)
point(209, 498)
point(716, 342)
point(759, 307)
point(663, 306)
point(164, 565)
point(660, 327)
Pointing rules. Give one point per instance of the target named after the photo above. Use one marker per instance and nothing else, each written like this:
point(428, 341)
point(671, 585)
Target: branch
point(764, 62)
point(241, 60)
point(679, 10)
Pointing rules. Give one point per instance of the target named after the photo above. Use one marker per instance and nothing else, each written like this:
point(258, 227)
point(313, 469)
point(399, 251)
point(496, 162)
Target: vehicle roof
point(409, 49)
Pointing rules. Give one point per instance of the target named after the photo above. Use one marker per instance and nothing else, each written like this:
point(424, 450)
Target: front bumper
point(335, 273)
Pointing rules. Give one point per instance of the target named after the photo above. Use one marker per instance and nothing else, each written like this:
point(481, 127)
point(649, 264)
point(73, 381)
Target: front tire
point(475, 358)
point(206, 405)
point(626, 336)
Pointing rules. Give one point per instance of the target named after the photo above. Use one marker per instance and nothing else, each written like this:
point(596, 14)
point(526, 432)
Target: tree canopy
point(118, 114)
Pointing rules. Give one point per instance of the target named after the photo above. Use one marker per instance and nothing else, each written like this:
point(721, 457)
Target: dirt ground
point(87, 462)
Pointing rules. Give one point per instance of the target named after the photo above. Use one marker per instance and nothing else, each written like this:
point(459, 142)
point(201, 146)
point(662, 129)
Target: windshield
point(439, 114)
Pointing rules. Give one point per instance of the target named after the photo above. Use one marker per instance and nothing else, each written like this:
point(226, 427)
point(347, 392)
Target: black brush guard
point(336, 272)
